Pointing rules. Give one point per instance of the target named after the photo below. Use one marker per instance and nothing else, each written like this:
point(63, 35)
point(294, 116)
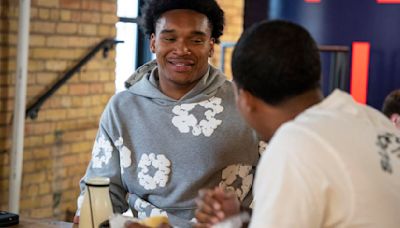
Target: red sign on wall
point(359, 71)
point(388, 1)
point(378, 1)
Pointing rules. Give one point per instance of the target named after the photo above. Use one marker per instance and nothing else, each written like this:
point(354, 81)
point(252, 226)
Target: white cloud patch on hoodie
point(186, 122)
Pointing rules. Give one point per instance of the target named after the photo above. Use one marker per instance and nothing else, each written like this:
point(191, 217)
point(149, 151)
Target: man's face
point(244, 105)
point(182, 43)
point(255, 112)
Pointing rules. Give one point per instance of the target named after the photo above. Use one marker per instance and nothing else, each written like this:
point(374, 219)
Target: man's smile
point(181, 65)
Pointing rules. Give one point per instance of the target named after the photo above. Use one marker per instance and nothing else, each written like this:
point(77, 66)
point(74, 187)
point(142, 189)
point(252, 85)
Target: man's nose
point(182, 48)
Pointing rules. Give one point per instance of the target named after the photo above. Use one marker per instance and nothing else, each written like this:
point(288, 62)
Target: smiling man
point(176, 129)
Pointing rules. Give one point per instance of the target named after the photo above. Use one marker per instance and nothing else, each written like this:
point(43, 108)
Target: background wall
point(58, 143)
point(233, 28)
point(342, 22)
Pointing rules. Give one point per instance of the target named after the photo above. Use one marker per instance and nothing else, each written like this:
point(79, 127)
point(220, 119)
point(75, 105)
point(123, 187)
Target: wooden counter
point(24, 222)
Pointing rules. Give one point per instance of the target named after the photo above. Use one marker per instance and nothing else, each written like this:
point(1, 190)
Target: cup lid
point(98, 181)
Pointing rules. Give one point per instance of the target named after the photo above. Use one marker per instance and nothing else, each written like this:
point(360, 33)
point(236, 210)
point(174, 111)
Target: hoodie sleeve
point(105, 162)
point(145, 209)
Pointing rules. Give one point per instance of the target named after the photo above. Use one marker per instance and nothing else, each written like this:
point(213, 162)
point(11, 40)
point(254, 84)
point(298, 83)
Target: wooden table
point(24, 222)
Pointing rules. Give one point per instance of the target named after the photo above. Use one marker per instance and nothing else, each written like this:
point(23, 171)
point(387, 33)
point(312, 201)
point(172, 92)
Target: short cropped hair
point(275, 61)
point(153, 9)
point(391, 105)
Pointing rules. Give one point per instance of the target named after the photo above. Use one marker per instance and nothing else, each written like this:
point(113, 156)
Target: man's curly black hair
point(153, 9)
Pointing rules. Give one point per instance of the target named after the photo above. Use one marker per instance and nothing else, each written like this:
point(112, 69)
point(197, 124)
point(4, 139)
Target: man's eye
point(169, 39)
point(197, 41)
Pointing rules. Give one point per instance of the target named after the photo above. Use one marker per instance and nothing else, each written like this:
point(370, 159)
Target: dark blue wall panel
point(341, 22)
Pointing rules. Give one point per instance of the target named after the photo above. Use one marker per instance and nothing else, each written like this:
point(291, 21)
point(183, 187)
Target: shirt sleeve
point(289, 188)
point(105, 162)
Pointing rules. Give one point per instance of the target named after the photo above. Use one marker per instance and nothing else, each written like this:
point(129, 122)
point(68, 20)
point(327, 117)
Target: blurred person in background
point(391, 107)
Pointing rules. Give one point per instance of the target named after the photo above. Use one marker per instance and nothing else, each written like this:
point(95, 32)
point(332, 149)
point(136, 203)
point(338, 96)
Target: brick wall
point(57, 145)
point(234, 11)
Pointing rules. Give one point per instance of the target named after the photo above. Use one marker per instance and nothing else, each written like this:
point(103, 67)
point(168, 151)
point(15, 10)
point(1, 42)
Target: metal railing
point(339, 76)
point(105, 45)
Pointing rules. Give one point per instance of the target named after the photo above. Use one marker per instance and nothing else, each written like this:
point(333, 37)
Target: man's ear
point(152, 43)
point(211, 52)
point(395, 118)
point(247, 100)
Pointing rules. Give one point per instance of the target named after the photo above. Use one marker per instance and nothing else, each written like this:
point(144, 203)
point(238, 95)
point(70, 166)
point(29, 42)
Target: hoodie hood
point(144, 82)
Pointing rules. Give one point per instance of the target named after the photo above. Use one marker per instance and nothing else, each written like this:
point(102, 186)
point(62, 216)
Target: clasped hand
point(215, 205)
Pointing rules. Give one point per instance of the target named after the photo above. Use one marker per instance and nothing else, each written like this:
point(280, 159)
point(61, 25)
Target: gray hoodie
point(158, 151)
